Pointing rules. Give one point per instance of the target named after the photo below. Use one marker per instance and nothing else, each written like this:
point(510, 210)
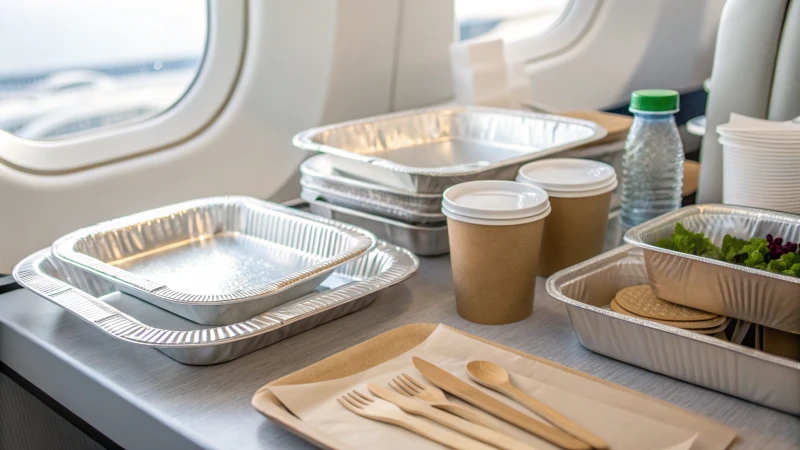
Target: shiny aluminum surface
point(713, 363)
point(215, 261)
point(422, 240)
point(318, 174)
point(98, 301)
point(429, 150)
point(732, 290)
point(388, 211)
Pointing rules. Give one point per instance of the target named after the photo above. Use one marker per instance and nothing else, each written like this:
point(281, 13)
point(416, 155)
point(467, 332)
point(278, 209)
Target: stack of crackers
point(640, 301)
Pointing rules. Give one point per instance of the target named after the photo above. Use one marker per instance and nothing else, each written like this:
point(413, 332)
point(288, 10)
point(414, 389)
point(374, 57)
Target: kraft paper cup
point(580, 197)
point(495, 230)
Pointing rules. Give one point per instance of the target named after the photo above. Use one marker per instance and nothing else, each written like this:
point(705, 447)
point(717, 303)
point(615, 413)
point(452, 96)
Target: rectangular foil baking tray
point(754, 295)
point(388, 211)
point(215, 261)
point(319, 176)
point(703, 360)
point(96, 300)
point(423, 240)
point(429, 150)
point(318, 172)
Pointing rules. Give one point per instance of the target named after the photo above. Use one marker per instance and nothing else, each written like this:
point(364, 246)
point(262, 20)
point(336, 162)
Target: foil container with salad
point(734, 261)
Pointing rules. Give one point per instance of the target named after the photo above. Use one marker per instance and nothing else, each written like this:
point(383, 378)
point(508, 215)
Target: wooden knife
point(454, 385)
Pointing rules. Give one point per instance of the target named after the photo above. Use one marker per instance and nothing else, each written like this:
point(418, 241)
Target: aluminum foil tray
point(429, 150)
point(423, 240)
point(388, 211)
point(96, 300)
point(732, 290)
point(318, 172)
point(215, 261)
point(320, 177)
point(692, 357)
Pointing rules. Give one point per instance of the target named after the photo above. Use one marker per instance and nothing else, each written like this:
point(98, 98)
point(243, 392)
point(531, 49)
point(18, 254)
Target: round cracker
point(687, 325)
point(713, 330)
point(641, 301)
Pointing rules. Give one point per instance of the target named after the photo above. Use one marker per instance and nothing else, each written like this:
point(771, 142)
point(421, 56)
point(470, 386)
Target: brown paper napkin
point(625, 420)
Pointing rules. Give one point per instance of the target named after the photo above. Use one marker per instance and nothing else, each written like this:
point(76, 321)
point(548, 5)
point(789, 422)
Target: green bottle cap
point(655, 100)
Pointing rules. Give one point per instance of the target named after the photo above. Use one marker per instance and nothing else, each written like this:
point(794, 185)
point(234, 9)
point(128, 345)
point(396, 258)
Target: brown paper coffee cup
point(495, 230)
point(580, 197)
point(494, 270)
point(574, 231)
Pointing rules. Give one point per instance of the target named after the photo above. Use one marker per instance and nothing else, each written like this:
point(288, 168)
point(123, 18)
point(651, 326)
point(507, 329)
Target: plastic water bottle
point(652, 165)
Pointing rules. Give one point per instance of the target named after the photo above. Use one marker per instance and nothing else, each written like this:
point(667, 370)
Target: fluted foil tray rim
point(423, 240)
point(29, 274)
point(383, 220)
point(304, 140)
point(307, 169)
point(408, 215)
point(634, 235)
point(554, 283)
point(63, 249)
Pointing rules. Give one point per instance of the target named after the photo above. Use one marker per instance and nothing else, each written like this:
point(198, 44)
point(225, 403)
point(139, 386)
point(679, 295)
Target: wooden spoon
point(495, 377)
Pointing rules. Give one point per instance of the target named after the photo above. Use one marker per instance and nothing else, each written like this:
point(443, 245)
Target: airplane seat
point(754, 73)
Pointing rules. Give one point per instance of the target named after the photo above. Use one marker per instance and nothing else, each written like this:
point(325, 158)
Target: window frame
point(202, 102)
point(571, 25)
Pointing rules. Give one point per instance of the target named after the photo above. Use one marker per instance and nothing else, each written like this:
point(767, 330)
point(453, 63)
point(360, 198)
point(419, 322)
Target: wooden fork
point(433, 396)
point(383, 411)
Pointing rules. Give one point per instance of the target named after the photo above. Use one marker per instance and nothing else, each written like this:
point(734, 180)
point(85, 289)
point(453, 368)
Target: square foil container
point(732, 290)
point(215, 261)
point(97, 301)
point(318, 175)
point(587, 289)
point(429, 150)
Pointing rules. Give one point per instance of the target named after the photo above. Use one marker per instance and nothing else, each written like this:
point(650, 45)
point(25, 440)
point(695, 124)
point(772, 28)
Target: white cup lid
point(569, 175)
point(497, 222)
point(495, 200)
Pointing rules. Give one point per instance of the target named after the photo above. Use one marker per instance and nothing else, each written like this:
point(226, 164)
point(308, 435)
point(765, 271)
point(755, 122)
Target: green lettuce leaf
point(684, 241)
point(756, 251)
point(755, 259)
point(788, 262)
point(667, 243)
point(732, 249)
point(751, 253)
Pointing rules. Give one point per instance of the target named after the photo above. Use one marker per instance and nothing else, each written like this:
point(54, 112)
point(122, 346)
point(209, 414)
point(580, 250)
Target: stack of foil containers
point(387, 173)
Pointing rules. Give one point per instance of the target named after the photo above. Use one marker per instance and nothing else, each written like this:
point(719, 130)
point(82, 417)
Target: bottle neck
point(668, 116)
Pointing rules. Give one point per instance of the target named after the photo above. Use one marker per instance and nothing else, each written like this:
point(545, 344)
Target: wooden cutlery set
point(430, 386)
point(412, 398)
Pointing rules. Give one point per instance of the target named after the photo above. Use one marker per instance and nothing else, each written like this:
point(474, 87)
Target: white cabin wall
point(629, 45)
point(307, 62)
point(311, 62)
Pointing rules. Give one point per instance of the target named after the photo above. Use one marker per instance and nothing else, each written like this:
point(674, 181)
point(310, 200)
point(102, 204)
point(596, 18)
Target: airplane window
point(508, 19)
point(68, 68)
